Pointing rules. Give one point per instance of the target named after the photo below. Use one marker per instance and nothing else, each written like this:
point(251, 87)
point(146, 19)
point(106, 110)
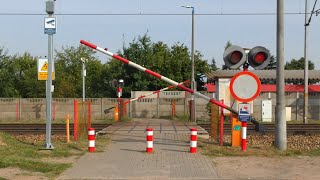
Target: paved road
point(125, 157)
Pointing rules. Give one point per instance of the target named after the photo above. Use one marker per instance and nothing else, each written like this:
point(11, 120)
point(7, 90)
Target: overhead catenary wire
point(312, 12)
point(153, 14)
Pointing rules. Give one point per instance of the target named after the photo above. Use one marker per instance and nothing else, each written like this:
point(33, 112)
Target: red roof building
point(211, 88)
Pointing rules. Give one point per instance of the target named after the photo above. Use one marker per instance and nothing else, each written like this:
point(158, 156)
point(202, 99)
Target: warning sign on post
point(43, 69)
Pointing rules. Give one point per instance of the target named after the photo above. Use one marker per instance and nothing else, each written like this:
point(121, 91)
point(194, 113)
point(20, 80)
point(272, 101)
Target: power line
point(151, 14)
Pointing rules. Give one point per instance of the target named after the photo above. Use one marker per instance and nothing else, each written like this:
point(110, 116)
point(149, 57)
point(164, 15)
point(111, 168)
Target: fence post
point(68, 128)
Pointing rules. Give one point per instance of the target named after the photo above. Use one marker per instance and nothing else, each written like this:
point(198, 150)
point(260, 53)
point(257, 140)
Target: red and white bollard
point(244, 136)
point(149, 140)
point(193, 140)
point(91, 136)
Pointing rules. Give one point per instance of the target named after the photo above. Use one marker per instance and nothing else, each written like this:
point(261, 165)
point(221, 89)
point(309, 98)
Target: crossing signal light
point(234, 57)
point(259, 57)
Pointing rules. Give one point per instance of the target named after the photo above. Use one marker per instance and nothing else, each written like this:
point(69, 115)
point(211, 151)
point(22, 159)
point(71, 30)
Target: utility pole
point(50, 11)
point(280, 121)
point(194, 114)
point(306, 66)
point(193, 82)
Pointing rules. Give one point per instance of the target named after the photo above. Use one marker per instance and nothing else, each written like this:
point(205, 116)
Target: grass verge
point(213, 149)
point(25, 153)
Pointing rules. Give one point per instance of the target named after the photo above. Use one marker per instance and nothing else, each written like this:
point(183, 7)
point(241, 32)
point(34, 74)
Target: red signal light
point(235, 57)
point(260, 57)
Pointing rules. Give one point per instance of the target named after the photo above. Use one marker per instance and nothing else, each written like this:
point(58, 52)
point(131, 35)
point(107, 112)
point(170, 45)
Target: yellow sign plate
point(43, 69)
point(44, 76)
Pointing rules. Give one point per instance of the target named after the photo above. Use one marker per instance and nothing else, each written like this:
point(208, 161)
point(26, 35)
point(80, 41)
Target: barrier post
point(149, 140)
point(91, 136)
point(193, 140)
point(68, 128)
point(244, 136)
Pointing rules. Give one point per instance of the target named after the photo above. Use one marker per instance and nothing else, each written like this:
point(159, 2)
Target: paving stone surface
point(126, 157)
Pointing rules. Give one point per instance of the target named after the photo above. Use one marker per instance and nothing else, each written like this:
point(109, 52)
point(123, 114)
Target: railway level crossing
point(126, 157)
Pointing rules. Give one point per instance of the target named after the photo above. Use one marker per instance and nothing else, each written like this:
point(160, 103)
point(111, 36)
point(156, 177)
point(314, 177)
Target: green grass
point(213, 149)
point(26, 155)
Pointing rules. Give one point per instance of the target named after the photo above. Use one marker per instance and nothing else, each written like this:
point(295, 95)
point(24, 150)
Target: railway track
point(41, 128)
point(292, 129)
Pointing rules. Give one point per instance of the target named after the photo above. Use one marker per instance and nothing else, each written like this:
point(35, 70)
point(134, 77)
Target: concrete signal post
point(50, 29)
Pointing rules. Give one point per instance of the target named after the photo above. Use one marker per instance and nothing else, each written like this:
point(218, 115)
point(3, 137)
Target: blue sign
point(50, 25)
point(244, 118)
point(244, 112)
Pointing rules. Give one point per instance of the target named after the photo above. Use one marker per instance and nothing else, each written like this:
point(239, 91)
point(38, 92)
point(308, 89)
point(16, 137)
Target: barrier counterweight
point(149, 140)
point(193, 140)
point(91, 140)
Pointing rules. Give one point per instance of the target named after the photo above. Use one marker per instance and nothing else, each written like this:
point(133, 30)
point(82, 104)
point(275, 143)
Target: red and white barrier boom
point(146, 95)
point(155, 92)
point(163, 78)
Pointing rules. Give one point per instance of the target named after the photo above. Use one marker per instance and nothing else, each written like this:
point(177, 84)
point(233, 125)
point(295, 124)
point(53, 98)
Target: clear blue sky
point(213, 28)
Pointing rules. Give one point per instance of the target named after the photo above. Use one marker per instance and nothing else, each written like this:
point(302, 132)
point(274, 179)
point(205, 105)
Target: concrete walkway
point(125, 157)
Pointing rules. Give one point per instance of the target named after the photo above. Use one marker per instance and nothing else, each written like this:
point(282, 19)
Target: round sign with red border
point(245, 86)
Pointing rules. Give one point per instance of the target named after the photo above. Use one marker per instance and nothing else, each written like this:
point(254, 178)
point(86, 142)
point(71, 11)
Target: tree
point(7, 81)
point(298, 64)
point(68, 68)
point(273, 63)
point(173, 62)
point(26, 77)
point(213, 66)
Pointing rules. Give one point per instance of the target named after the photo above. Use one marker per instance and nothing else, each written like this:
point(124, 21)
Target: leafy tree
point(298, 64)
point(68, 67)
point(7, 81)
point(213, 66)
point(26, 77)
point(173, 62)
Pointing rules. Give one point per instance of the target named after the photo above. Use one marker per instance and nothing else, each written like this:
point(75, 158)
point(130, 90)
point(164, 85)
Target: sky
point(247, 23)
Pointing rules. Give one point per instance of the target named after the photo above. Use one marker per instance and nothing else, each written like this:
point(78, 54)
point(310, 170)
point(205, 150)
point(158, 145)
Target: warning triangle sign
point(45, 67)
